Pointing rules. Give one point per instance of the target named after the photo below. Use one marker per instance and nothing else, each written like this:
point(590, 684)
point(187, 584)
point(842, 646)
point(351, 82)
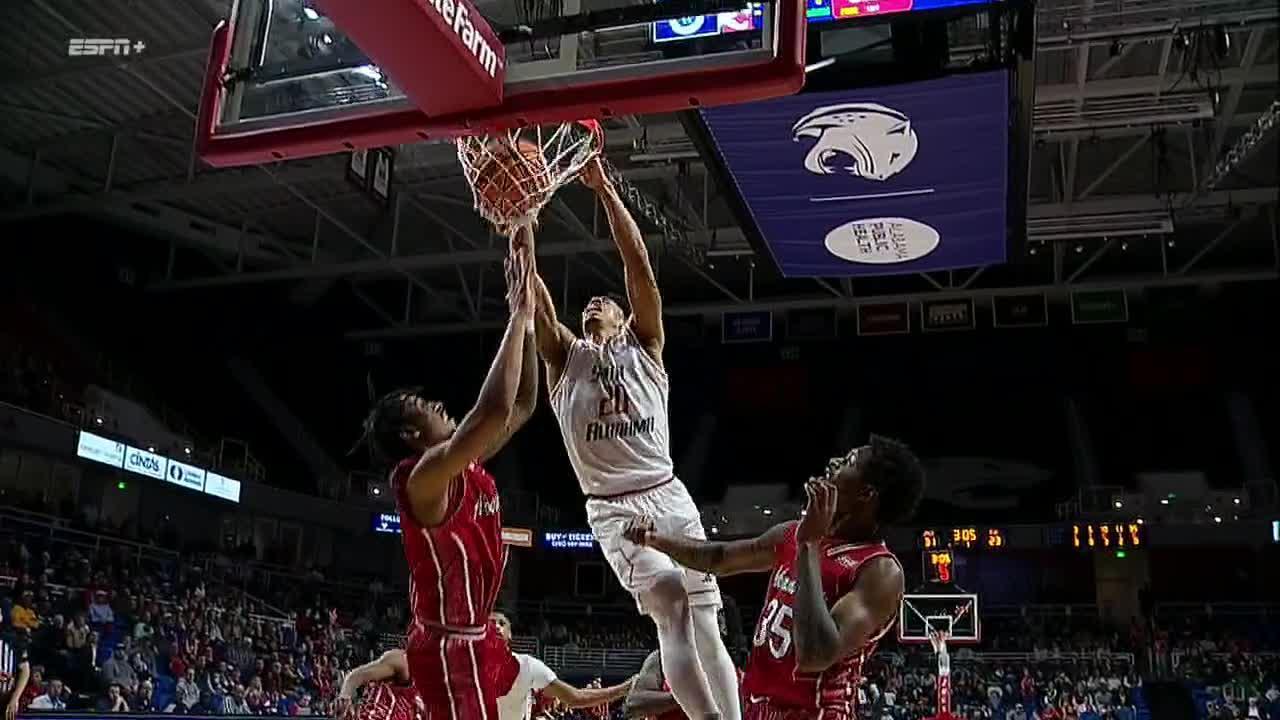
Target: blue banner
point(875, 181)
point(749, 326)
point(386, 522)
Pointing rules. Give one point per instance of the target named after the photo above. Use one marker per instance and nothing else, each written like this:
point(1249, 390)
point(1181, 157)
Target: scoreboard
point(966, 537)
point(1107, 535)
point(1103, 535)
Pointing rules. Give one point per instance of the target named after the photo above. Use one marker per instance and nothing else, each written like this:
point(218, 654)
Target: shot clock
point(939, 567)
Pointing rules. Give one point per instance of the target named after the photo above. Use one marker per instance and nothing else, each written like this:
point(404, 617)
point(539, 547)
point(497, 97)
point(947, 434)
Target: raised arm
point(527, 393)
point(717, 558)
point(486, 423)
point(553, 338)
point(824, 637)
point(642, 286)
point(647, 698)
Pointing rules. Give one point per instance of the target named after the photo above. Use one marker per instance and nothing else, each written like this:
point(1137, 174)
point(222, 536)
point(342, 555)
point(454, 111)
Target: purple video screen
point(874, 181)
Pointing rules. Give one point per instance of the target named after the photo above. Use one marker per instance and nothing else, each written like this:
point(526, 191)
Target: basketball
point(511, 185)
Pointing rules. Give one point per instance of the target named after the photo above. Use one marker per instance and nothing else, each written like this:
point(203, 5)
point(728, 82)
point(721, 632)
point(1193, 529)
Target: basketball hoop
point(514, 174)
point(938, 639)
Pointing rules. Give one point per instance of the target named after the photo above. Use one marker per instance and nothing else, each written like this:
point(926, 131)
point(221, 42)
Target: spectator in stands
point(23, 616)
point(54, 697)
point(115, 702)
point(100, 612)
point(144, 629)
point(117, 671)
point(188, 692)
point(234, 703)
point(144, 701)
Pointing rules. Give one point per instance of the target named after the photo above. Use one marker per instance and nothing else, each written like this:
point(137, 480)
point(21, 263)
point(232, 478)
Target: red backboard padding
point(442, 53)
point(654, 93)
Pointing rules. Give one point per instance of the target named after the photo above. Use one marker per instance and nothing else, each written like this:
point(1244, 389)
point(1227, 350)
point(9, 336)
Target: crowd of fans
point(902, 686)
point(114, 631)
point(107, 633)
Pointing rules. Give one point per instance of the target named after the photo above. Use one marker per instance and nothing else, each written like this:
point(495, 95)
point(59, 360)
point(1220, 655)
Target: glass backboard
point(956, 614)
point(288, 78)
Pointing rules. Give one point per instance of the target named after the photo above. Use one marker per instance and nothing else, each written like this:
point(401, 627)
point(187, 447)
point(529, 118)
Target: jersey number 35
point(774, 629)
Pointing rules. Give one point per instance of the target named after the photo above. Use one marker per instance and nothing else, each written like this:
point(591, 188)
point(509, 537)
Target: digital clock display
point(939, 566)
point(1107, 536)
point(968, 537)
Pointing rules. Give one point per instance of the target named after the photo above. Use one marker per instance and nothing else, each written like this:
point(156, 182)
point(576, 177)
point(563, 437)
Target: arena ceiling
point(1130, 124)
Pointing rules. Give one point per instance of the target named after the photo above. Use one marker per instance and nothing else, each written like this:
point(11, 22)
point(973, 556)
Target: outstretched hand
point(639, 530)
point(593, 175)
point(819, 512)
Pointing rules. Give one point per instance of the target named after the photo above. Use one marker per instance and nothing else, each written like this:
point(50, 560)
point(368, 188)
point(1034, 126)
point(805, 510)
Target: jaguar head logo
point(865, 140)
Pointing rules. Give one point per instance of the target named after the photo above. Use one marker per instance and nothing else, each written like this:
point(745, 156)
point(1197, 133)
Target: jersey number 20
point(615, 402)
point(774, 629)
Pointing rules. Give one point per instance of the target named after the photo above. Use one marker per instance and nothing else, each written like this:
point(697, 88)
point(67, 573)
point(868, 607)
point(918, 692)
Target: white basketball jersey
point(611, 403)
point(534, 676)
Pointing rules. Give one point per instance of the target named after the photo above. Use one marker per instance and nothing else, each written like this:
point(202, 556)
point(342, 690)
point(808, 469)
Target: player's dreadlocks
point(383, 424)
point(893, 470)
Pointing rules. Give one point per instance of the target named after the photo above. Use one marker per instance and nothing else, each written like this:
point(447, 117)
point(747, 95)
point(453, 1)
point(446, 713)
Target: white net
point(513, 174)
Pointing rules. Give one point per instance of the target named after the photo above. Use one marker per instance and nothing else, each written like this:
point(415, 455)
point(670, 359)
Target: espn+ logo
point(144, 462)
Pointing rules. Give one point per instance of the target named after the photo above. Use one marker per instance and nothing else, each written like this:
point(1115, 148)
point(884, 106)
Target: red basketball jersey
point(771, 668)
point(455, 568)
point(385, 701)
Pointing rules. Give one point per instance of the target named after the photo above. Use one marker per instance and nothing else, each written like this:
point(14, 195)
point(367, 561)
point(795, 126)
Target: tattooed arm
point(718, 558)
point(824, 637)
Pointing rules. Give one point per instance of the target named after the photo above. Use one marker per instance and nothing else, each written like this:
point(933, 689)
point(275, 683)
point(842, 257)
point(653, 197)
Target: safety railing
point(526, 644)
point(1178, 657)
point(1044, 656)
point(1217, 609)
point(55, 531)
point(609, 662)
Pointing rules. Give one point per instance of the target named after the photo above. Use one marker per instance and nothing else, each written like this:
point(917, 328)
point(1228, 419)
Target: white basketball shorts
point(673, 513)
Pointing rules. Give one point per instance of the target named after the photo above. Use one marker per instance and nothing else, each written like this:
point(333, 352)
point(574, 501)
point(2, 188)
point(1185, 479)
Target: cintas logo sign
point(145, 463)
point(457, 15)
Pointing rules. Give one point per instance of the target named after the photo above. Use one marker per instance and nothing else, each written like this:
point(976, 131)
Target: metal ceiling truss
point(1093, 99)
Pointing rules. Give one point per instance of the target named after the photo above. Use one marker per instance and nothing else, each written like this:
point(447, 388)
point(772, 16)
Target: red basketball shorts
point(762, 709)
point(452, 677)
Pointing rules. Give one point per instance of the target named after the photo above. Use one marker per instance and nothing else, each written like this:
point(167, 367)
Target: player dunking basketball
point(835, 588)
point(609, 393)
point(450, 513)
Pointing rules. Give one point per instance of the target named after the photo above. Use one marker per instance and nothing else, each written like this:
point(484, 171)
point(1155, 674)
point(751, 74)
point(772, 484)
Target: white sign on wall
point(100, 449)
point(145, 463)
